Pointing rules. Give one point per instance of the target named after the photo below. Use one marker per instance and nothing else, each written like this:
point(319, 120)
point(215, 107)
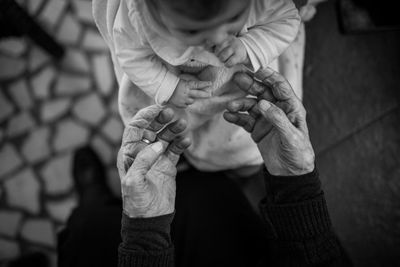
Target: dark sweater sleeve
point(146, 242)
point(298, 223)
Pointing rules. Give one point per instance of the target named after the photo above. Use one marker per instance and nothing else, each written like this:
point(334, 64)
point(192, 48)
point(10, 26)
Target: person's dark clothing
point(297, 222)
point(213, 225)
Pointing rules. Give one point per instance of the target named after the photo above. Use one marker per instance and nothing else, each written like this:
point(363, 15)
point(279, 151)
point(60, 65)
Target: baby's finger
point(232, 61)
point(225, 54)
point(242, 105)
point(221, 47)
point(241, 119)
point(199, 94)
point(199, 84)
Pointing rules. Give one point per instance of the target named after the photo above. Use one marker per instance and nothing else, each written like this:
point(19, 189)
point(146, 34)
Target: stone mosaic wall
point(47, 110)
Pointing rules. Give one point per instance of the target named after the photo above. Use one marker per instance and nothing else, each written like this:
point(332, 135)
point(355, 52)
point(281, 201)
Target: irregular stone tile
point(103, 149)
point(9, 249)
point(70, 135)
point(112, 129)
point(84, 11)
point(93, 41)
point(20, 94)
point(113, 105)
point(36, 146)
point(41, 83)
point(6, 109)
point(13, 46)
point(20, 124)
point(23, 191)
point(52, 12)
point(89, 109)
point(9, 222)
point(352, 88)
point(56, 175)
point(11, 67)
point(53, 110)
point(360, 178)
point(75, 61)
point(61, 210)
point(37, 58)
point(69, 31)
point(103, 73)
point(39, 231)
point(70, 84)
point(9, 158)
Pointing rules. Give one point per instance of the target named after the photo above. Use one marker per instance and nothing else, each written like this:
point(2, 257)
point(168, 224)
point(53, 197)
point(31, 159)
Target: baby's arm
point(276, 25)
point(141, 65)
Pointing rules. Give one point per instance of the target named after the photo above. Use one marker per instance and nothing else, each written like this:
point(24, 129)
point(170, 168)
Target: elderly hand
point(276, 120)
point(147, 170)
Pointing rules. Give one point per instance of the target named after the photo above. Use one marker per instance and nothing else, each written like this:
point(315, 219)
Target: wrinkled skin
point(147, 172)
point(276, 119)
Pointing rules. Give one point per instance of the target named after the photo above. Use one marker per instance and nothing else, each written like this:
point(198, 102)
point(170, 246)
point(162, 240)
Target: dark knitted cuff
point(146, 234)
point(292, 189)
point(150, 258)
point(297, 221)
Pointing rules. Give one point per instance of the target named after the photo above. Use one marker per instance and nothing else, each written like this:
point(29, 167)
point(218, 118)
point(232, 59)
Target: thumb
point(145, 160)
point(276, 117)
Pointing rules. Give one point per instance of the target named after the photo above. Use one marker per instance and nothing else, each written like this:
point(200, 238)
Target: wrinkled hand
point(276, 119)
point(232, 52)
point(147, 171)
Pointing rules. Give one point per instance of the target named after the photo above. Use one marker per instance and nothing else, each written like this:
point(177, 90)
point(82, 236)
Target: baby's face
point(206, 33)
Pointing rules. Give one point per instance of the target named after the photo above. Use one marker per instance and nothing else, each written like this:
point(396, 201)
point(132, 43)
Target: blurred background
point(56, 97)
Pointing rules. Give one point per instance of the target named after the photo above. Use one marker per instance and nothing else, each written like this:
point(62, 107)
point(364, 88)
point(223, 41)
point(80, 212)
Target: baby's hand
point(187, 91)
point(232, 52)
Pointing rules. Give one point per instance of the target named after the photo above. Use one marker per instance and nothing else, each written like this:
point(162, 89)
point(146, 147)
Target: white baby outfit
point(143, 52)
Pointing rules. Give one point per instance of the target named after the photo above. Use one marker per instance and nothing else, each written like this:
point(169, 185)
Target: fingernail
point(157, 147)
point(264, 105)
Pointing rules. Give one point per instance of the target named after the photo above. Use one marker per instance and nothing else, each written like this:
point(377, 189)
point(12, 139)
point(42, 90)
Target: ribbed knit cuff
point(297, 221)
point(149, 258)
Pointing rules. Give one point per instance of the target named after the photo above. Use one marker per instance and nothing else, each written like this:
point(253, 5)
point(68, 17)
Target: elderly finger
point(281, 88)
point(176, 148)
point(253, 87)
point(144, 161)
point(198, 84)
point(199, 94)
point(276, 117)
point(242, 105)
point(161, 120)
point(172, 130)
point(145, 117)
point(243, 120)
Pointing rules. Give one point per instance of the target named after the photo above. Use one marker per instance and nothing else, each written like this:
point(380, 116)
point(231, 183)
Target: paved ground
point(352, 95)
point(48, 109)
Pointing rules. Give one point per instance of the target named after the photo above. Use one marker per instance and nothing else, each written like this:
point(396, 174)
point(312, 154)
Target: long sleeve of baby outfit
point(272, 26)
point(138, 60)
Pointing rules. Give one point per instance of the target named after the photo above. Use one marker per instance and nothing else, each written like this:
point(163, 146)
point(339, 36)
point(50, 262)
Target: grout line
point(358, 130)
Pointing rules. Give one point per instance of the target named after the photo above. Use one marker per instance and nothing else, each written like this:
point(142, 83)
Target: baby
point(183, 53)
